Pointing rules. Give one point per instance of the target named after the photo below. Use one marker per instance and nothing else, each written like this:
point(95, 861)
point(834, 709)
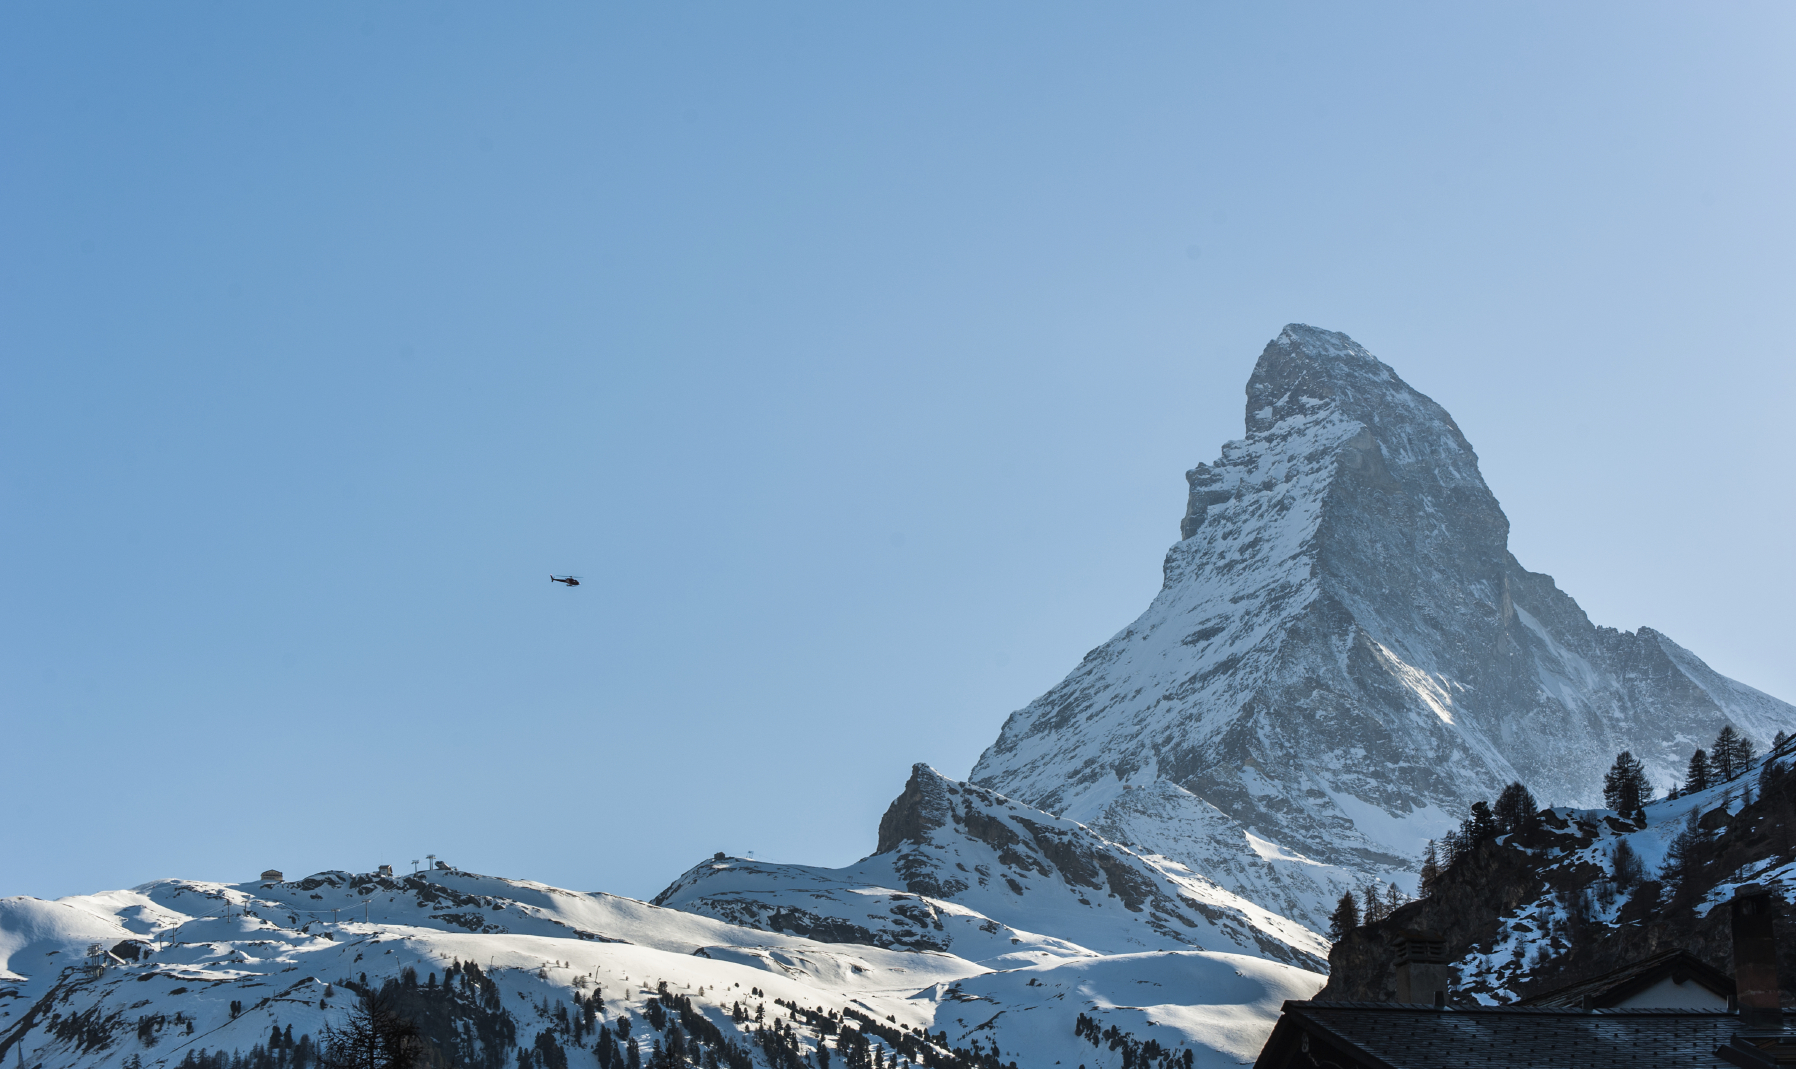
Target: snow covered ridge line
point(938, 933)
point(1344, 655)
point(961, 869)
point(546, 973)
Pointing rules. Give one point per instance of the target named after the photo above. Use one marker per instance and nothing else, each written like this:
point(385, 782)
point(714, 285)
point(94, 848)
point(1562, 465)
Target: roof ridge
point(1546, 1011)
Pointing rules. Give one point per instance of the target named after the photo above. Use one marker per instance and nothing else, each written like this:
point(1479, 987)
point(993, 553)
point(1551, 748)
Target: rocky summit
point(1344, 655)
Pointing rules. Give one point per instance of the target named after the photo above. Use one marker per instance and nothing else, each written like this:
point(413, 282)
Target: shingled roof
point(1618, 985)
point(1383, 1035)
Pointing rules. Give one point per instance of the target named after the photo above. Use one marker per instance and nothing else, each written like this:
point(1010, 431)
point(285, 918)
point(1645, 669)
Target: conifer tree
point(1625, 787)
point(1479, 827)
point(1723, 755)
point(1515, 810)
point(1431, 870)
point(1696, 778)
point(1374, 911)
point(1682, 858)
point(374, 1037)
point(1452, 848)
point(1345, 918)
point(1742, 754)
point(1625, 867)
point(1392, 899)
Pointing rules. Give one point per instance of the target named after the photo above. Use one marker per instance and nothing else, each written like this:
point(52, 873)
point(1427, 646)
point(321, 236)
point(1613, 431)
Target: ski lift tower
point(432, 858)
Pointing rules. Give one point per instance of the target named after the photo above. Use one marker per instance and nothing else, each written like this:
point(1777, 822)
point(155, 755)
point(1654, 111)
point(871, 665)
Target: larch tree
point(1723, 755)
point(1344, 919)
point(1431, 870)
point(374, 1037)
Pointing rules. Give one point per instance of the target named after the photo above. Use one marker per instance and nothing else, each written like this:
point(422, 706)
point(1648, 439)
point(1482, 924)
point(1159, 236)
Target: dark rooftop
point(1382, 1035)
point(1616, 985)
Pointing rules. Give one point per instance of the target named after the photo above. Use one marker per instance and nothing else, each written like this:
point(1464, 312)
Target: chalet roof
point(1617, 985)
point(1383, 1035)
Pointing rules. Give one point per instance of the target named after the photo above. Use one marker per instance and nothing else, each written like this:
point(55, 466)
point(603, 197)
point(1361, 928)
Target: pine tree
point(1778, 740)
point(1742, 754)
point(1697, 778)
point(1722, 754)
point(1374, 901)
point(1392, 899)
point(1452, 848)
point(1345, 918)
point(374, 1037)
point(1625, 787)
point(1683, 857)
point(1480, 826)
point(1431, 870)
point(1625, 867)
point(1515, 810)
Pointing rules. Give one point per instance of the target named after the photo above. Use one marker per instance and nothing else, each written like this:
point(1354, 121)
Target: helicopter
point(570, 580)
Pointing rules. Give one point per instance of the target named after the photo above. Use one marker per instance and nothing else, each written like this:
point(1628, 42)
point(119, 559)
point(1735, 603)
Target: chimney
point(1423, 975)
point(1755, 960)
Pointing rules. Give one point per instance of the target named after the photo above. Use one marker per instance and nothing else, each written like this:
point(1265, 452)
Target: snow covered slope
point(961, 869)
point(150, 976)
point(1546, 905)
point(1162, 997)
point(1344, 655)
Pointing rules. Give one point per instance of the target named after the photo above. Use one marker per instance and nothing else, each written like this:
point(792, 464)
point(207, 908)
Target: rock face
point(1344, 655)
point(967, 871)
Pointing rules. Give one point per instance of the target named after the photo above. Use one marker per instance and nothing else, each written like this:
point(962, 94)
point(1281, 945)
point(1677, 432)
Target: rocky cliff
point(964, 870)
point(1344, 655)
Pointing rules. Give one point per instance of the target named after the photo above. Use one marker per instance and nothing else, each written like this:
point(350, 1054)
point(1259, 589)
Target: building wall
point(1669, 994)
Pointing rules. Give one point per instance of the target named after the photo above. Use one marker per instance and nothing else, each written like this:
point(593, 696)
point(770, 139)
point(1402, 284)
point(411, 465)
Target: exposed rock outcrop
point(966, 870)
point(1344, 655)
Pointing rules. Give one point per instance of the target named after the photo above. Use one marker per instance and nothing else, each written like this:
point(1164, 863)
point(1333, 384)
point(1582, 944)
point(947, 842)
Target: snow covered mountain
point(1344, 655)
point(504, 973)
point(963, 870)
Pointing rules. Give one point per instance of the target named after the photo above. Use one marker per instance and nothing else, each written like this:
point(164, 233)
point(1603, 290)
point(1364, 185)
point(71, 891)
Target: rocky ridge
point(1344, 655)
point(963, 870)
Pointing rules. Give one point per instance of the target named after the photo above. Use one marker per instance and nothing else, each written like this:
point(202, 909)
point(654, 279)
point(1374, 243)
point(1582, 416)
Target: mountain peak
point(921, 808)
point(1345, 655)
point(1306, 368)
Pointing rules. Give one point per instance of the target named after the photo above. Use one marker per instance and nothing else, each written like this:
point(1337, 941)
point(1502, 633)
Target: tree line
point(1626, 789)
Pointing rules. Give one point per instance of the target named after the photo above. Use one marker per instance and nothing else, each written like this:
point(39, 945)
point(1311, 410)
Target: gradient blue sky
point(853, 353)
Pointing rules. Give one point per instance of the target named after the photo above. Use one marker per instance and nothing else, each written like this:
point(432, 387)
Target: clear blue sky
point(853, 353)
